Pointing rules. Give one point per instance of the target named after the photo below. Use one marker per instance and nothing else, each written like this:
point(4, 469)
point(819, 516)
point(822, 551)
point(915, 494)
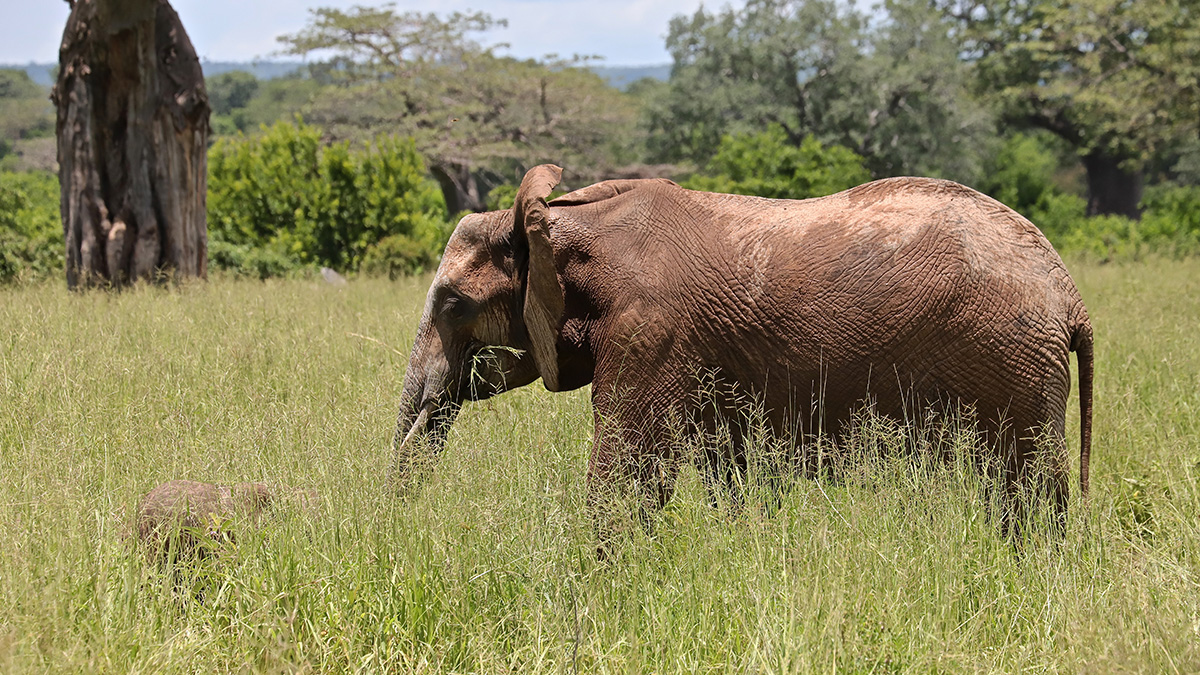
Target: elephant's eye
point(454, 307)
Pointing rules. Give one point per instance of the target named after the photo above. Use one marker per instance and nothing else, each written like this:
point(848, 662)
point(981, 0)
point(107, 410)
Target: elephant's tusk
point(419, 424)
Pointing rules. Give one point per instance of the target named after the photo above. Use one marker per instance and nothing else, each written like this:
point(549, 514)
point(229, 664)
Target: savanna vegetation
point(1081, 115)
point(894, 567)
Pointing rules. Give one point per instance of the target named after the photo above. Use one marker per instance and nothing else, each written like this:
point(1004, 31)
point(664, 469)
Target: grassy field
point(490, 568)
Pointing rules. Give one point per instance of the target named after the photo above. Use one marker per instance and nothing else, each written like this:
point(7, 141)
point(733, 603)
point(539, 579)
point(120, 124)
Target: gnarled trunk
point(459, 187)
point(132, 141)
point(1112, 188)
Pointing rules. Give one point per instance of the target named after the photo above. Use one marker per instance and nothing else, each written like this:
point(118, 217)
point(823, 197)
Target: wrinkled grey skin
point(903, 292)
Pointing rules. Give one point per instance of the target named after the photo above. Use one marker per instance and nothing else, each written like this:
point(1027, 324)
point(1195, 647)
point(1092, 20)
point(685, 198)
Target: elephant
point(195, 514)
point(897, 290)
point(190, 518)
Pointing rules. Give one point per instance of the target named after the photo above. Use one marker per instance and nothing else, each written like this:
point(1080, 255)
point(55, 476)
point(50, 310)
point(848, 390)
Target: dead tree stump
point(132, 141)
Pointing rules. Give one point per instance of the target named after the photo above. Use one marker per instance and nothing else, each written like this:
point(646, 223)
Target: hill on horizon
point(617, 76)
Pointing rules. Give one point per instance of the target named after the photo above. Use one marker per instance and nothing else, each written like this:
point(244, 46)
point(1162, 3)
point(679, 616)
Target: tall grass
point(490, 567)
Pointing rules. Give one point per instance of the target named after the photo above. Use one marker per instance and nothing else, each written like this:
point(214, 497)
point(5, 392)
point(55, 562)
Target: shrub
point(1170, 225)
point(1057, 214)
point(396, 256)
point(31, 236)
point(315, 204)
point(502, 197)
point(1105, 238)
point(1171, 216)
point(251, 262)
point(1021, 174)
point(768, 165)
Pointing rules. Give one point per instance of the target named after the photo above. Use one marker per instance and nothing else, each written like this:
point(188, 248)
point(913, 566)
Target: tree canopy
point(478, 118)
point(892, 91)
point(25, 109)
point(1118, 80)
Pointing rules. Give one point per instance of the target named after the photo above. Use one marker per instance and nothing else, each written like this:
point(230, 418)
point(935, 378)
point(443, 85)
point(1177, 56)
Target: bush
point(313, 204)
point(502, 197)
point(768, 165)
point(1057, 214)
point(1171, 216)
point(251, 262)
point(1021, 174)
point(1170, 225)
point(396, 256)
point(31, 236)
point(1105, 238)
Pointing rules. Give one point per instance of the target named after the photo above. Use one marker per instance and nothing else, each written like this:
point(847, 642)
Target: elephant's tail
point(1081, 344)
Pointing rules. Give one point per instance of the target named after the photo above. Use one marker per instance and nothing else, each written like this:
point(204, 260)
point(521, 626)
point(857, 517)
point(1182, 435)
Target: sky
point(624, 32)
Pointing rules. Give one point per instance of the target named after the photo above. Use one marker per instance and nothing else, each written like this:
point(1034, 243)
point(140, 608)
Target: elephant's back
point(901, 262)
point(904, 230)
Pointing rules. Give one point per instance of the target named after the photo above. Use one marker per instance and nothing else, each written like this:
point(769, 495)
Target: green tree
point(1118, 80)
point(31, 235)
point(766, 165)
point(892, 90)
point(231, 91)
point(1024, 173)
point(306, 203)
point(479, 119)
point(25, 110)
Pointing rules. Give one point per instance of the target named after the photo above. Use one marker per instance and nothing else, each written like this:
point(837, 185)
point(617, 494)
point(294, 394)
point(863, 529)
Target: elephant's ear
point(609, 189)
point(544, 302)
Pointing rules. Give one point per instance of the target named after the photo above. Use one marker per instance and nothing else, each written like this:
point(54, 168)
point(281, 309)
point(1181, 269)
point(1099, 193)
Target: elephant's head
point(491, 318)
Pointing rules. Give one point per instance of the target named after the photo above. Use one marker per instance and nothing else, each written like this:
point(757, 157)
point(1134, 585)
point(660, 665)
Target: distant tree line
point(1083, 115)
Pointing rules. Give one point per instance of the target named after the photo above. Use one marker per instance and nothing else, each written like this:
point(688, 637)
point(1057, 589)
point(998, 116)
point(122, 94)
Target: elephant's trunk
point(420, 435)
point(427, 409)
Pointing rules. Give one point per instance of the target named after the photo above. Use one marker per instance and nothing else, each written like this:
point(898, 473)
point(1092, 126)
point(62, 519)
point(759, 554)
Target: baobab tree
point(132, 136)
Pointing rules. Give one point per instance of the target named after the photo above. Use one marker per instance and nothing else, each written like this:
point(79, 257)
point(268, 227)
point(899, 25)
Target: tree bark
point(459, 187)
point(132, 141)
point(1112, 189)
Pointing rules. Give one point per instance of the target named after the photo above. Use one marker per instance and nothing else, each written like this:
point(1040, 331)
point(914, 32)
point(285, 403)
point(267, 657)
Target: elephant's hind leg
point(1036, 477)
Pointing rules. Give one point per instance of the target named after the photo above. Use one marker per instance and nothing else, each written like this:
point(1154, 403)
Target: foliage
point(316, 204)
point(491, 567)
point(245, 105)
point(261, 262)
point(230, 91)
point(396, 255)
point(376, 42)
point(1107, 75)
point(1024, 174)
point(1115, 79)
point(31, 236)
point(1020, 172)
point(502, 197)
point(478, 119)
point(766, 165)
point(25, 110)
point(1172, 214)
point(894, 91)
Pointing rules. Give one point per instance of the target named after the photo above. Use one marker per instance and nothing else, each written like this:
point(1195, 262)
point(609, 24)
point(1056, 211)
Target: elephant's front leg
point(631, 474)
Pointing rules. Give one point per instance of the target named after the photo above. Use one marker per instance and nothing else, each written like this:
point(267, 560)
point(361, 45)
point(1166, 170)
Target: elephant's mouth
point(486, 371)
point(483, 373)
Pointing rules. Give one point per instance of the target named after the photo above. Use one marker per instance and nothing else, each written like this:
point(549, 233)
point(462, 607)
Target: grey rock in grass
point(332, 277)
